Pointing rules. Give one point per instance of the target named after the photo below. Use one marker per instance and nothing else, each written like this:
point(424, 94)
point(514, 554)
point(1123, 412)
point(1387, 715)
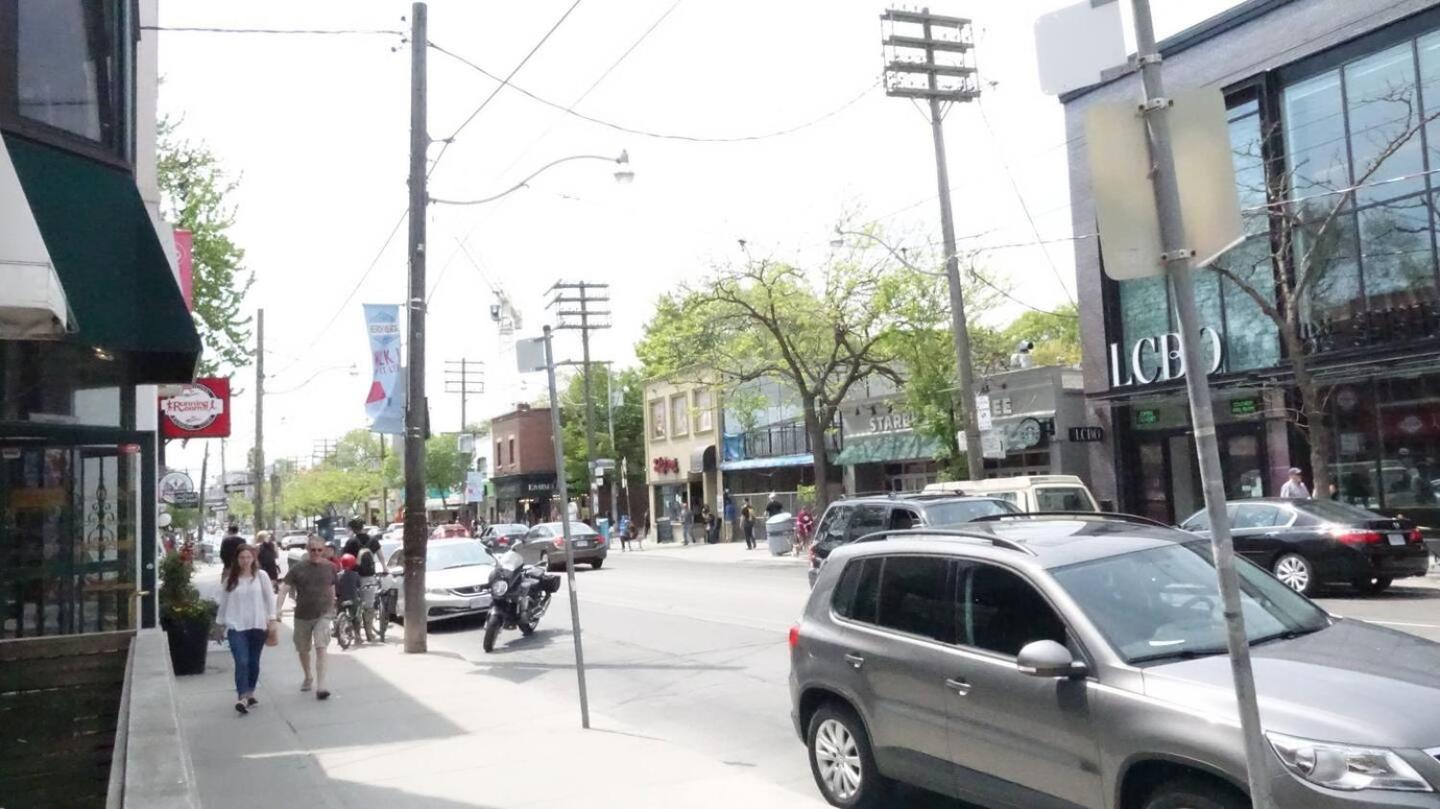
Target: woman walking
point(247, 611)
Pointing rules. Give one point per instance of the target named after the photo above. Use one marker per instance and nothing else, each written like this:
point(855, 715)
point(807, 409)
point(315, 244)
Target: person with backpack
point(369, 567)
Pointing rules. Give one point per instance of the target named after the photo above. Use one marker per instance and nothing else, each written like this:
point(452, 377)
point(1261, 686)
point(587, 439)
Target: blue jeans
point(245, 647)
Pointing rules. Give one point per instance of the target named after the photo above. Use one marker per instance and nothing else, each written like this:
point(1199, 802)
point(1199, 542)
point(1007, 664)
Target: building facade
point(523, 481)
point(91, 317)
point(1329, 107)
point(682, 450)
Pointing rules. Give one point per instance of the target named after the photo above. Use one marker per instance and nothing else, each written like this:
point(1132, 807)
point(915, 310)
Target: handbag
point(272, 633)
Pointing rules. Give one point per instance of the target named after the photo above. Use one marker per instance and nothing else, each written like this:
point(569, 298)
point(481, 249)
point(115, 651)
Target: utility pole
point(321, 449)
point(593, 314)
point(384, 490)
point(204, 470)
point(960, 86)
point(466, 378)
point(615, 450)
point(416, 409)
point(257, 475)
point(1177, 257)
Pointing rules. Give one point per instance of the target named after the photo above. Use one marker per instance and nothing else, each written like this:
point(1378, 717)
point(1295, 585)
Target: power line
point(660, 135)
point(445, 145)
point(283, 31)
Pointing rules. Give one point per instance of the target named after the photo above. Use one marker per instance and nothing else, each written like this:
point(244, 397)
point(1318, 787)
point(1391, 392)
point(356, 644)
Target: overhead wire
point(300, 31)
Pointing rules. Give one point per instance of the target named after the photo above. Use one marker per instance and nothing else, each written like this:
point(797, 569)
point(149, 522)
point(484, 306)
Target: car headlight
point(499, 587)
point(1342, 766)
point(437, 591)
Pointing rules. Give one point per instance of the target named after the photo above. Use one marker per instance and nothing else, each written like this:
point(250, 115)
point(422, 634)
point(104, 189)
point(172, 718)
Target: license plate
point(476, 603)
point(582, 543)
point(1397, 539)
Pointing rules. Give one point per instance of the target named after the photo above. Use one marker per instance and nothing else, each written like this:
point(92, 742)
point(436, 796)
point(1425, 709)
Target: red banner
point(200, 409)
point(185, 260)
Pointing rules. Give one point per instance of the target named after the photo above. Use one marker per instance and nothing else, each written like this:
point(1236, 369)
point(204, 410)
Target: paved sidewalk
point(432, 731)
point(721, 553)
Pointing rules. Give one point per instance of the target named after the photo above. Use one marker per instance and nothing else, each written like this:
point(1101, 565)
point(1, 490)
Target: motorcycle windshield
point(510, 561)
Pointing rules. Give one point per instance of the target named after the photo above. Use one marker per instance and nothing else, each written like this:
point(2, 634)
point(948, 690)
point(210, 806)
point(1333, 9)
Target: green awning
point(116, 276)
point(887, 447)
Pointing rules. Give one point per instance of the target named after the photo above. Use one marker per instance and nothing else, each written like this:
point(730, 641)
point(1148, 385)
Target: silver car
point(545, 545)
point(457, 578)
point(1080, 662)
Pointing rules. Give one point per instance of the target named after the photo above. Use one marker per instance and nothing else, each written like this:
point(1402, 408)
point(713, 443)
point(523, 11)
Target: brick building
point(523, 464)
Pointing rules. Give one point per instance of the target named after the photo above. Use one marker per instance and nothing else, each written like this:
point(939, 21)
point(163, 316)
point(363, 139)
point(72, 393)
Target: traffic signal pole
point(1177, 258)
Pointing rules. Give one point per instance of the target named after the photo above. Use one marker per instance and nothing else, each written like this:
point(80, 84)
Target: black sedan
point(1307, 543)
point(500, 536)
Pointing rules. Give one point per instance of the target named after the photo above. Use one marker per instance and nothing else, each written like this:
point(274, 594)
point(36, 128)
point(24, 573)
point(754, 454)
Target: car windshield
point(938, 514)
point(508, 528)
point(1164, 603)
point(1338, 512)
point(456, 554)
point(1062, 498)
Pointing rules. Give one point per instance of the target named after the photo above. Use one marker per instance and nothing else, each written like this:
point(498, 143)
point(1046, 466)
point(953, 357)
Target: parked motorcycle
point(520, 595)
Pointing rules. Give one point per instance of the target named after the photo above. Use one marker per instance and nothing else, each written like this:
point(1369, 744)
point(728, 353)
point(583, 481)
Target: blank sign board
point(1075, 44)
point(530, 355)
point(1119, 150)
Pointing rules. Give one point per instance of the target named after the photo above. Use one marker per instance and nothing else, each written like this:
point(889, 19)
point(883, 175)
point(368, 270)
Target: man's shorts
point(312, 632)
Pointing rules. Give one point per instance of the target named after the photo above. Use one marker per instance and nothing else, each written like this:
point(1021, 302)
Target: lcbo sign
point(1158, 359)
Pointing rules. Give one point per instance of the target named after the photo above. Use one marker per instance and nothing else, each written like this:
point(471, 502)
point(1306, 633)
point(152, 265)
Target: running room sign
point(200, 409)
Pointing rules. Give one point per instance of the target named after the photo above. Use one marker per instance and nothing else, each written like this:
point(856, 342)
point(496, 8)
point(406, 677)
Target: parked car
point(457, 578)
point(294, 539)
point(1082, 662)
point(1307, 543)
point(545, 545)
point(500, 536)
point(451, 530)
point(1033, 493)
point(845, 521)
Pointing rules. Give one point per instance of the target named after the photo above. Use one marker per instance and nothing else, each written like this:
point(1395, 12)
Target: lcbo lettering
point(1165, 348)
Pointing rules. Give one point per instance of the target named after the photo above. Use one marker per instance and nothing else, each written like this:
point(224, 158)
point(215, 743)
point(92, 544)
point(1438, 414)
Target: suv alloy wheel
point(841, 759)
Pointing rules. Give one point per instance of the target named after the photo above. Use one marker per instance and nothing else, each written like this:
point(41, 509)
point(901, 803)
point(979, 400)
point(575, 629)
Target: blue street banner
point(385, 404)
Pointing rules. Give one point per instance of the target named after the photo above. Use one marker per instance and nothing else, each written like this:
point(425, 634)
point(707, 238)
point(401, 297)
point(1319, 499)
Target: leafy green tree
point(819, 331)
point(241, 508)
point(445, 464)
point(629, 424)
point(193, 191)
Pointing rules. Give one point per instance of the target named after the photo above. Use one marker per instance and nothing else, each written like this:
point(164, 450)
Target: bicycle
point(347, 624)
point(383, 606)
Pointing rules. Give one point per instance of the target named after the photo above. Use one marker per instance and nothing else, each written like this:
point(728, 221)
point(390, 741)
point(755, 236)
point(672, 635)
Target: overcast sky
point(316, 129)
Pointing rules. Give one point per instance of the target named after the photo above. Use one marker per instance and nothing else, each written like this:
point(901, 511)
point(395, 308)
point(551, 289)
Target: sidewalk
point(431, 731)
point(723, 553)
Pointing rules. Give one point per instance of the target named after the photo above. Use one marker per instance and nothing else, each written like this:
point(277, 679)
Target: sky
point(316, 130)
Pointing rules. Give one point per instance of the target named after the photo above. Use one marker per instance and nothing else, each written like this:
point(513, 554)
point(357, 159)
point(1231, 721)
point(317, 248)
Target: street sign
point(174, 483)
point(530, 355)
point(1120, 166)
point(992, 445)
point(1076, 44)
point(1087, 435)
point(983, 418)
point(186, 500)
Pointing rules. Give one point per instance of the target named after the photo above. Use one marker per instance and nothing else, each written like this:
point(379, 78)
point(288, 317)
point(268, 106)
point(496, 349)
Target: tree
point(1298, 264)
point(819, 332)
point(240, 508)
point(629, 425)
point(193, 188)
point(445, 465)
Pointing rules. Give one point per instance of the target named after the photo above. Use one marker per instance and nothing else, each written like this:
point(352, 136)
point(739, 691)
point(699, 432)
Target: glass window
point(1199, 521)
point(1164, 603)
point(903, 519)
point(1062, 498)
point(1144, 312)
point(1383, 113)
point(1251, 338)
point(1251, 515)
point(834, 523)
point(679, 415)
point(1351, 412)
point(866, 520)
point(1409, 411)
point(857, 596)
point(916, 597)
point(65, 70)
point(1002, 612)
point(1333, 511)
point(941, 514)
point(512, 450)
point(1315, 135)
point(1429, 48)
point(704, 411)
point(1396, 253)
point(657, 419)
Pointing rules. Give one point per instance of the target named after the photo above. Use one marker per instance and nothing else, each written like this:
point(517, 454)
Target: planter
point(189, 643)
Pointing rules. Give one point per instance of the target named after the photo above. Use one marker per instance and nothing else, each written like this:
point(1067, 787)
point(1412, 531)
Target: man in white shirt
point(1295, 488)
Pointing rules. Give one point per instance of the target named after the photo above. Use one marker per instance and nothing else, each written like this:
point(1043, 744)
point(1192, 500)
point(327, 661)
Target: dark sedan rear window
point(1337, 512)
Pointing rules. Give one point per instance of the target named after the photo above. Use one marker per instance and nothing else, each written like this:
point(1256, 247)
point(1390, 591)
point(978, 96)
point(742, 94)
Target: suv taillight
point(794, 636)
point(559, 542)
point(1359, 537)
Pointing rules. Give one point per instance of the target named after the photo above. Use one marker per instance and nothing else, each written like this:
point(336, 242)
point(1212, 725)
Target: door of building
point(1165, 484)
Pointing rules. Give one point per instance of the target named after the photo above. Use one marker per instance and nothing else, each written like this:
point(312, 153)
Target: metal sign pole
point(1177, 258)
point(563, 491)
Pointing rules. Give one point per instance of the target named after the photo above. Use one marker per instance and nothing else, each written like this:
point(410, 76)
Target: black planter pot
point(189, 641)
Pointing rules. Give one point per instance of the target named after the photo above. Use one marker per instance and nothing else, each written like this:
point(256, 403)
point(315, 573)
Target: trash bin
point(664, 531)
point(780, 533)
point(602, 527)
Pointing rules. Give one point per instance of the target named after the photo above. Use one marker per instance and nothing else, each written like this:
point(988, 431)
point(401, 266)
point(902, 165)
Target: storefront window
point(1409, 410)
point(65, 66)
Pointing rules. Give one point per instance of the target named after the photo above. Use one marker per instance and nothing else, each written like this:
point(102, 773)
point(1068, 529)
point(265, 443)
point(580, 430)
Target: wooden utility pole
point(257, 472)
point(960, 86)
point(465, 378)
point(593, 314)
point(416, 410)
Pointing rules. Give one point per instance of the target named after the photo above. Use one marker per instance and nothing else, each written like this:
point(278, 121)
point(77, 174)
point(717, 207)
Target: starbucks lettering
point(1158, 359)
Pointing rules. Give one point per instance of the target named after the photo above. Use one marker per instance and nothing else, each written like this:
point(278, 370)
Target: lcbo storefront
point(1339, 129)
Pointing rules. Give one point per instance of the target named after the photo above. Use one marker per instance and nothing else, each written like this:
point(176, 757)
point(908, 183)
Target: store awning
point(887, 447)
point(767, 463)
point(702, 460)
point(115, 273)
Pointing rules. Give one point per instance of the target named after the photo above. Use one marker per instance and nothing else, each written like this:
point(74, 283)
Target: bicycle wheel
point(345, 631)
point(385, 610)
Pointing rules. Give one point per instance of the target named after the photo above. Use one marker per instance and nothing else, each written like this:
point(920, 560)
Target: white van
point(1027, 492)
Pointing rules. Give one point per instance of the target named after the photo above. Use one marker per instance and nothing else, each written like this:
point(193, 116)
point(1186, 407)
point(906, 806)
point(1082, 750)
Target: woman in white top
point(247, 608)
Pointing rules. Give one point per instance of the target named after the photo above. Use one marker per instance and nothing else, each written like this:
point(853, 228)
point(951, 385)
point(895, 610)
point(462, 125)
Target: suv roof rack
point(1106, 516)
point(949, 533)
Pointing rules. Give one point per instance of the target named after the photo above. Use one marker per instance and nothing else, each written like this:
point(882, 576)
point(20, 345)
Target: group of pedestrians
point(253, 595)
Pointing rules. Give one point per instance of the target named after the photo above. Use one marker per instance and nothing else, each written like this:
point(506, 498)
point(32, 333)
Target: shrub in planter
point(185, 616)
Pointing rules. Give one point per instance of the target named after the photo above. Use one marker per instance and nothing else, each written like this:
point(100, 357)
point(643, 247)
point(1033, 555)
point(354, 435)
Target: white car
point(394, 531)
point(457, 578)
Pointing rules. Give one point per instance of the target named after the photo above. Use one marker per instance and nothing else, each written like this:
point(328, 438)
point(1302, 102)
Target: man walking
point(230, 545)
point(1295, 488)
point(313, 581)
point(747, 525)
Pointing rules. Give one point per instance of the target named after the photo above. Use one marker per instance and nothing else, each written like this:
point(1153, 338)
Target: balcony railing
point(786, 439)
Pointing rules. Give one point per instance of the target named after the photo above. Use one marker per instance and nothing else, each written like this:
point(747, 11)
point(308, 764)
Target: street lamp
point(624, 175)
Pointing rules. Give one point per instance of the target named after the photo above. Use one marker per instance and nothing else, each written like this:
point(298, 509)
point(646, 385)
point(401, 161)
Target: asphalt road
point(682, 647)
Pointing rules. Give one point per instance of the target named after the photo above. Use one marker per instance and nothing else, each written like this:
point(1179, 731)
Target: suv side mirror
point(1046, 658)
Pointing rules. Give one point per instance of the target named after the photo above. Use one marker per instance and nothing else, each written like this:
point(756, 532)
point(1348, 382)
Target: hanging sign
point(200, 409)
point(385, 404)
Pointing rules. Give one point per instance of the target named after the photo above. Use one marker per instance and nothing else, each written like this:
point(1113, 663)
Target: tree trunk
point(814, 428)
point(1321, 441)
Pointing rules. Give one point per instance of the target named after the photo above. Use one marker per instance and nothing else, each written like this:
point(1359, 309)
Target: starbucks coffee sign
point(896, 422)
point(1158, 359)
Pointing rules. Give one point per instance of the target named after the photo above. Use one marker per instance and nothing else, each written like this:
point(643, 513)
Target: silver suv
point(1080, 662)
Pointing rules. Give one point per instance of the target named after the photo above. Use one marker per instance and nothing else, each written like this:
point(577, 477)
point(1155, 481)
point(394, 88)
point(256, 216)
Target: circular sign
point(174, 483)
point(195, 407)
point(1027, 434)
point(166, 519)
point(1347, 398)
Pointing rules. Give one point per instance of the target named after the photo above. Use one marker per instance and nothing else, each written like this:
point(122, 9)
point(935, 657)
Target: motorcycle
point(519, 595)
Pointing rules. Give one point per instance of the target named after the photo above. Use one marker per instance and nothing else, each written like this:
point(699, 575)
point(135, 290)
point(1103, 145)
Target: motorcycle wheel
point(526, 628)
point(492, 631)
